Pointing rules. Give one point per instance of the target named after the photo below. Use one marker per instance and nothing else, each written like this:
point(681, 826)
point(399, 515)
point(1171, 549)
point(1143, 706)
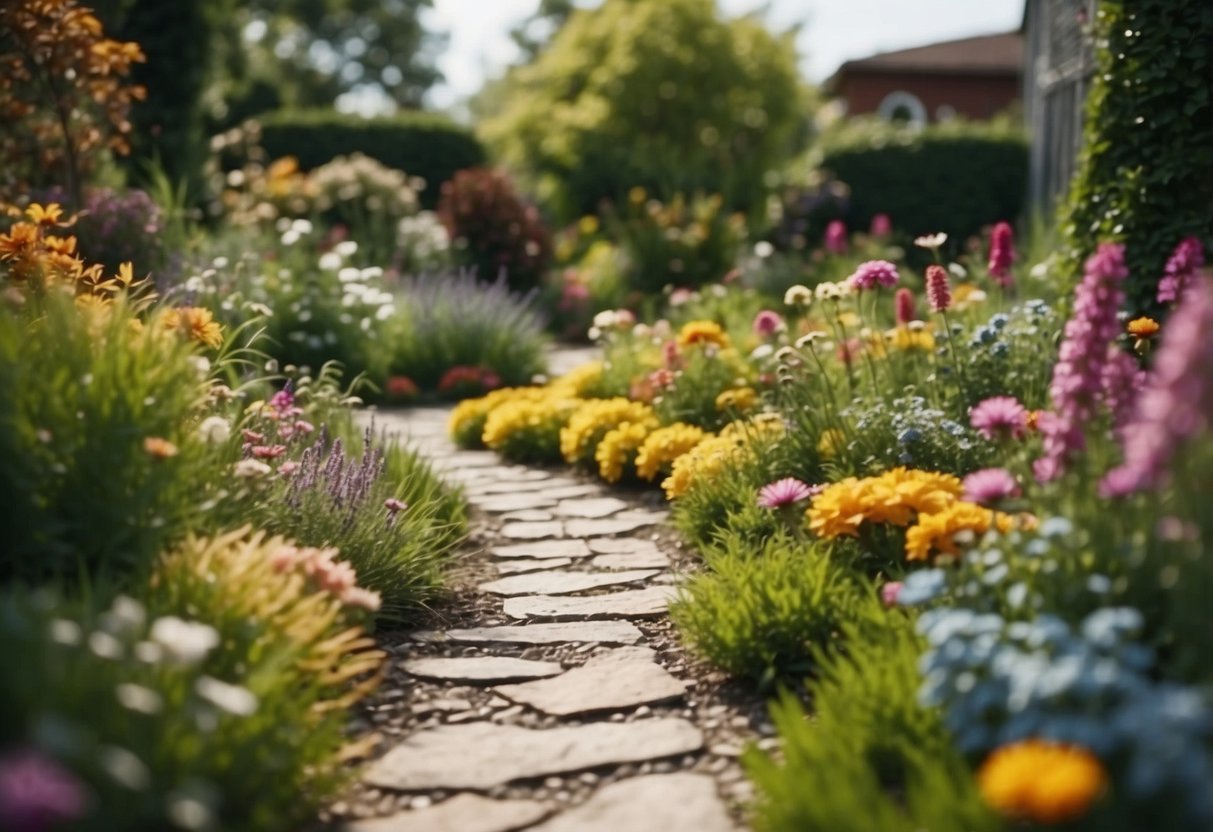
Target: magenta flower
point(882, 226)
point(1177, 401)
point(939, 293)
point(1002, 254)
point(836, 237)
point(903, 306)
point(36, 793)
point(890, 592)
point(990, 486)
point(874, 273)
point(785, 492)
point(999, 417)
point(1121, 380)
point(1181, 269)
point(767, 323)
point(1077, 386)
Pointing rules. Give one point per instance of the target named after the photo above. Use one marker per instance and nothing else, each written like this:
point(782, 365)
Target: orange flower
point(1143, 327)
point(159, 447)
point(195, 323)
point(702, 332)
point(1041, 781)
point(46, 215)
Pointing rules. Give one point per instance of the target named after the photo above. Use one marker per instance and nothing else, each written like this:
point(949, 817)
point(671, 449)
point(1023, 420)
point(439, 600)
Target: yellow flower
point(1143, 327)
point(588, 224)
point(195, 323)
point(739, 399)
point(830, 442)
point(528, 429)
point(895, 497)
point(618, 449)
point(159, 447)
point(937, 532)
point(1041, 781)
point(702, 332)
point(48, 215)
point(663, 446)
point(703, 463)
point(840, 509)
point(593, 419)
point(467, 421)
point(905, 339)
point(579, 381)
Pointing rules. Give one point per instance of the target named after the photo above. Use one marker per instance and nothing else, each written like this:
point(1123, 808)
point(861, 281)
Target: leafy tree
point(537, 31)
point(664, 94)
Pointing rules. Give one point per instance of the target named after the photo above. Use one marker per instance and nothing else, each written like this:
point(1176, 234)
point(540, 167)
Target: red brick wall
point(971, 96)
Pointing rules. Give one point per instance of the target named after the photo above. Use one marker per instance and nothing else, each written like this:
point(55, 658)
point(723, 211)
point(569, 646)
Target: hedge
point(955, 177)
point(420, 144)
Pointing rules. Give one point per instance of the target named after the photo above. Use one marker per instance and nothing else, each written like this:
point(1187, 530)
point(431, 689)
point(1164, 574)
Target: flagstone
point(557, 548)
point(591, 508)
point(622, 678)
point(465, 812)
point(636, 603)
point(653, 803)
point(473, 669)
point(602, 631)
point(532, 531)
point(555, 582)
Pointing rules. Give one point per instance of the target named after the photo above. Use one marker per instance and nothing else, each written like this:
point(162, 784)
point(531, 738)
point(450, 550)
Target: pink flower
point(37, 793)
point(903, 305)
point(767, 323)
point(1002, 254)
point(874, 273)
point(393, 505)
point(990, 486)
point(268, 451)
point(304, 427)
point(836, 237)
point(252, 436)
point(785, 492)
point(356, 596)
point(283, 400)
point(288, 468)
point(1181, 269)
point(939, 294)
point(890, 592)
point(882, 226)
point(999, 417)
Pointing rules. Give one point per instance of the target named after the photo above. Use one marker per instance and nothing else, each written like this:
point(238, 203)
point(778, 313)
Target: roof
point(1000, 54)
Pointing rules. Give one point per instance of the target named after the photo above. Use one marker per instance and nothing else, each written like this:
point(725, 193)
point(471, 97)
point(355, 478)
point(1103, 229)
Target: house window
point(904, 108)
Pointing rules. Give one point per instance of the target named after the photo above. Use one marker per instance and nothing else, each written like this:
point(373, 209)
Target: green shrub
point(954, 178)
point(86, 484)
point(871, 757)
point(421, 144)
point(762, 612)
point(664, 94)
point(493, 229)
point(1144, 173)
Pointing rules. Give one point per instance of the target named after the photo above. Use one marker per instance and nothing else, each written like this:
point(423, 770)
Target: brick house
point(976, 78)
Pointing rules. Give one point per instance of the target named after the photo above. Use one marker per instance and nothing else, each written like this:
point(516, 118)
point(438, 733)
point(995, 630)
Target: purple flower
point(836, 237)
point(1181, 269)
point(890, 592)
point(1002, 254)
point(37, 793)
point(1177, 400)
point(999, 417)
point(785, 492)
point(1077, 386)
point(767, 323)
point(990, 486)
point(939, 293)
point(1121, 379)
point(874, 273)
point(882, 226)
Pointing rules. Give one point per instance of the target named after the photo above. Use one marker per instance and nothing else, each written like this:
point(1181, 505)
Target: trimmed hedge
point(955, 177)
point(420, 144)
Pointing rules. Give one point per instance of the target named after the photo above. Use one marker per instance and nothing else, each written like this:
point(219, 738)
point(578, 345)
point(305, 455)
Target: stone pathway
point(558, 697)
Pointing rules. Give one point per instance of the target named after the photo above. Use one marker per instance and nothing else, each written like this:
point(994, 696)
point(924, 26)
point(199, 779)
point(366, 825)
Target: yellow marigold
point(466, 422)
point(840, 509)
point(937, 532)
point(527, 429)
point(905, 339)
point(739, 399)
point(703, 463)
point(1143, 327)
point(590, 422)
point(663, 446)
point(195, 323)
point(578, 381)
point(896, 497)
point(702, 332)
point(761, 426)
point(1041, 781)
point(618, 449)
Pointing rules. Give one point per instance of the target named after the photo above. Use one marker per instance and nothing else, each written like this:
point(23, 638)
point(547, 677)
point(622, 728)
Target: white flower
point(220, 262)
point(808, 339)
point(138, 698)
point(105, 646)
point(248, 468)
point(346, 248)
point(124, 616)
point(231, 698)
point(763, 249)
point(215, 430)
point(65, 632)
point(762, 351)
point(798, 296)
point(201, 365)
point(184, 642)
point(605, 319)
point(931, 240)
point(330, 261)
point(832, 291)
point(958, 271)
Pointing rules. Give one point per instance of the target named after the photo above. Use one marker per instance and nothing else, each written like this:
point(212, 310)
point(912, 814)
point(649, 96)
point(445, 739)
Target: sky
point(833, 31)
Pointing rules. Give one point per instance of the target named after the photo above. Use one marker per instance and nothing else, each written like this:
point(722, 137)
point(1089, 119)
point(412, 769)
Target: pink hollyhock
point(999, 417)
point(836, 237)
point(939, 293)
point(1002, 254)
point(785, 492)
point(874, 273)
point(990, 486)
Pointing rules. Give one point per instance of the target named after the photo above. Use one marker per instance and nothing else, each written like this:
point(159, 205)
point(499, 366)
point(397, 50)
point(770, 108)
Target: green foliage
point(494, 229)
point(726, 505)
point(953, 177)
point(663, 94)
point(868, 743)
point(79, 396)
point(1146, 168)
point(767, 612)
point(426, 145)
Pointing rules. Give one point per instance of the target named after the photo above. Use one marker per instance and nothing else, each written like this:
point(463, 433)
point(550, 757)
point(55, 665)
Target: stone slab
point(480, 755)
point(503, 503)
point(481, 669)
point(524, 565)
point(561, 582)
point(566, 548)
point(642, 560)
point(634, 603)
point(608, 526)
point(620, 545)
point(528, 516)
point(623, 678)
point(564, 632)
point(462, 813)
point(532, 531)
point(654, 803)
point(565, 492)
point(592, 508)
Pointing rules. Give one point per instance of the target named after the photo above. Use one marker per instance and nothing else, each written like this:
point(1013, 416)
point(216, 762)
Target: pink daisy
point(990, 485)
point(874, 273)
point(998, 417)
point(785, 492)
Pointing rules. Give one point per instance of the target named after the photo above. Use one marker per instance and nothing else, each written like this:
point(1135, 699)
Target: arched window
point(903, 107)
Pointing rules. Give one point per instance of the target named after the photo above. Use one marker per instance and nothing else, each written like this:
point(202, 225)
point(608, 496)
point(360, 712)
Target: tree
point(664, 94)
point(537, 31)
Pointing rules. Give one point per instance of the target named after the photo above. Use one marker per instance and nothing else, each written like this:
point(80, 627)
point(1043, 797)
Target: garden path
point(558, 698)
